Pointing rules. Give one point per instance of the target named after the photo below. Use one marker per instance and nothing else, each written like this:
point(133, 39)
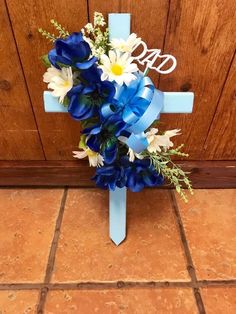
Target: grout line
point(190, 266)
point(52, 254)
point(217, 283)
point(116, 285)
point(42, 299)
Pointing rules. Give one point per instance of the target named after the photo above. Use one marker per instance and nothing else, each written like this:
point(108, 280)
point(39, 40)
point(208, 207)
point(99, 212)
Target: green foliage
point(45, 61)
point(89, 122)
point(82, 143)
point(49, 36)
point(96, 36)
point(66, 101)
point(62, 32)
point(170, 171)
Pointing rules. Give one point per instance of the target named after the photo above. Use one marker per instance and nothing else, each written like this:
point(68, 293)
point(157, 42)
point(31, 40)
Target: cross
point(173, 102)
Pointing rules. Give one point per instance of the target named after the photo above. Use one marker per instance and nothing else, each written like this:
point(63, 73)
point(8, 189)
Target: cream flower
point(95, 159)
point(126, 45)
point(60, 81)
point(131, 153)
point(118, 67)
point(156, 142)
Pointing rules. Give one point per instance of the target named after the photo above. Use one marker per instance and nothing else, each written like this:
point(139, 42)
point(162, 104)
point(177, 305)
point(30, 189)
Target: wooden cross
point(174, 102)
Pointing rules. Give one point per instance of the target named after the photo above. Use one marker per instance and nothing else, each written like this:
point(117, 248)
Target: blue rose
point(134, 175)
point(87, 96)
point(103, 137)
point(73, 50)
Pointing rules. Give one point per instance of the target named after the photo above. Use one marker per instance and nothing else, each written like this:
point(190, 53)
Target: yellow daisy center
point(117, 69)
point(66, 83)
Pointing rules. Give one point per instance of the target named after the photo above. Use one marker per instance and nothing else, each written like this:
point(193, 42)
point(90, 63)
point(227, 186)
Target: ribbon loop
point(139, 105)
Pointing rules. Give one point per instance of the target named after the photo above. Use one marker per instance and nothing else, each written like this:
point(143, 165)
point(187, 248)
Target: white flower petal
point(105, 61)
point(79, 154)
point(112, 56)
point(131, 68)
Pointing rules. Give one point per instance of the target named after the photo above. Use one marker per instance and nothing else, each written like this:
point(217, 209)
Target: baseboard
point(204, 174)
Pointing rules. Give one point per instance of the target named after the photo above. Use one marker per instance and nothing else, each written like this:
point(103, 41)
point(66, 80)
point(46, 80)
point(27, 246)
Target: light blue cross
point(174, 102)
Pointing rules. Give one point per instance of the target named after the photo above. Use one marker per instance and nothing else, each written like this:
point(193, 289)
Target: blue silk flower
point(134, 175)
point(80, 107)
point(127, 107)
point(120, 109)
point(73, 50)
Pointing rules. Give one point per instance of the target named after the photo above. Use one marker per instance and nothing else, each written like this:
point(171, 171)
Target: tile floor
point(56, 256)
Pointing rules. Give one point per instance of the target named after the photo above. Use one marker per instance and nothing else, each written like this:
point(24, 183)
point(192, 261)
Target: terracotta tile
point(26, 231)
point(209, 220)
point(14, 302)
point(140, 301)
point(152, 250)
point(219, 300)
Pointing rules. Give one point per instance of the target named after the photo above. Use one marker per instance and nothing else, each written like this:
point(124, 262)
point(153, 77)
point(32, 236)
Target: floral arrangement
point(102, 87)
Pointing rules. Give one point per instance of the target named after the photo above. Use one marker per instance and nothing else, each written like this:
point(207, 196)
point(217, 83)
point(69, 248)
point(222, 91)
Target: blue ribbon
point(140, 105)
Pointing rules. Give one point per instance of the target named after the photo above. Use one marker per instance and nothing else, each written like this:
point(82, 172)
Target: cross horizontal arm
point(174, 102)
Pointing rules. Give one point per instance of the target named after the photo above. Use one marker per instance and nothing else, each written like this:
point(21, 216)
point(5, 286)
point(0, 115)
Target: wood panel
point(27, 16)
point(221, 141)
point(201, 35)
point(204, 174)
point(105, 7)
point(19, 138)
point(149, 23)
point(20, 145)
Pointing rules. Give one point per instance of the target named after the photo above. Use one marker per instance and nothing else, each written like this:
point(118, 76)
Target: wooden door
point(199, 33)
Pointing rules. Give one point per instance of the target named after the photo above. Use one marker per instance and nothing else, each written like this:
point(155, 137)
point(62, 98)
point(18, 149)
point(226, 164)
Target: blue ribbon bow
point(140, 105)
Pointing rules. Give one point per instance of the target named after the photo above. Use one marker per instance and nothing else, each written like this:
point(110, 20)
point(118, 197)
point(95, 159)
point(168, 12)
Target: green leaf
point(89, 122)
point(46, 61)
point(66, 101)
point(82, 143)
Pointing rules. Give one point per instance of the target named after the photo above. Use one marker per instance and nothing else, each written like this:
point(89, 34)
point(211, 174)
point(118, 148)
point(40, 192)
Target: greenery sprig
point(62, 32)
point(97, 38)
point(47, 35)
point(170, 171)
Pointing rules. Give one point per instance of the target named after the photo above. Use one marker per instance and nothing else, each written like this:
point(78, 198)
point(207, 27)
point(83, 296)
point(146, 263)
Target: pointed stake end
point(119, 240)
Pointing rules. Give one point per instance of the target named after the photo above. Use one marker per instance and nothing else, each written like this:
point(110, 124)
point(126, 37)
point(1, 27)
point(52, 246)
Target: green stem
point(146, 72)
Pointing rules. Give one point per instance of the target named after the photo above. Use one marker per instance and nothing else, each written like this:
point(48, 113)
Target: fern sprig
point(63, 33)
point(170, 171)
point(48, 35)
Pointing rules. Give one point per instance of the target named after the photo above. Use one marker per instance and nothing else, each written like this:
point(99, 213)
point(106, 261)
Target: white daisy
point(156, 142)
point(126, 45)
point(60, 81)
point(118, 67)
point(95, 159)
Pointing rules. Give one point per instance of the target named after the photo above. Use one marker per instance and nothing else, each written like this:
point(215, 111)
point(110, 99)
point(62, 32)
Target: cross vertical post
point(173, 102)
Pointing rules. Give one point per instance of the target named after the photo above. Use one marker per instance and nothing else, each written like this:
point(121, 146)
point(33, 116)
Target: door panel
point(19, 138)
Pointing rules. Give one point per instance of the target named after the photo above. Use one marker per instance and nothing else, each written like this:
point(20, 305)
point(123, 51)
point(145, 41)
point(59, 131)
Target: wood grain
point(15, 109)
point(27, 16)
point(149, 23)
point(221, 140)
point(200, 35)
point(105, 7)
point(20, 145)
point(204, 174)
